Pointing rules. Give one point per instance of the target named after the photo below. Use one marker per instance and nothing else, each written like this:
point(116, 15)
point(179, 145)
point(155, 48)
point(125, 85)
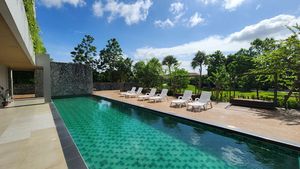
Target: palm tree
point(170, 61)
point(200, 59)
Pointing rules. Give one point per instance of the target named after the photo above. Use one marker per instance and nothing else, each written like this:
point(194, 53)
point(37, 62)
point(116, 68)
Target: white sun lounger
point(129, 91)
point(135, 94)
point(147, 95)
point(183, 100)
point(159, 97)
point(201, 102)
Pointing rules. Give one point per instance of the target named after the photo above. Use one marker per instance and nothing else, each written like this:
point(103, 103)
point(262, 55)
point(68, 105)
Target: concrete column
point(11, 82)
point(39, 85)
point(43, 61)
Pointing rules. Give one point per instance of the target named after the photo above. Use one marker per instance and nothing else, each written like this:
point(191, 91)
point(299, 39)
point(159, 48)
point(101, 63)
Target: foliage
point(148, 74)
point(33, 27)
point(215, 61)
point(85, 52)
point(220, 79)
point(237, 66)
point(199, 60)
point(283, 62)
point(171, 62)
point(180, 79)
point(258, 46)
point(112, 64)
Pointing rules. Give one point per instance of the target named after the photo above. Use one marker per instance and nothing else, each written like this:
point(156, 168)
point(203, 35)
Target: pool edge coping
point(72, 163)
point(286, 143)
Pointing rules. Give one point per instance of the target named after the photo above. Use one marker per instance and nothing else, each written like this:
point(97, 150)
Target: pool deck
point(28, 137)
point(279, 125)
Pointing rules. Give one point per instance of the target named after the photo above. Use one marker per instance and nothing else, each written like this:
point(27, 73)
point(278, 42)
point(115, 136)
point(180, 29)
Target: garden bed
point(253, 103)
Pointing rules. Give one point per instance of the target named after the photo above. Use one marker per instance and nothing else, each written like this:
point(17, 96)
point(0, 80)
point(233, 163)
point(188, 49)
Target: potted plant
point(3, 96)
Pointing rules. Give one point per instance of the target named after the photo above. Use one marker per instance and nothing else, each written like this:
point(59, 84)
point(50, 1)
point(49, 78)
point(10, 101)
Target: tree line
point(266, 64)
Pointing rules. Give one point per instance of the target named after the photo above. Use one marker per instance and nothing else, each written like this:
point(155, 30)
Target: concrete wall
point(43, 62)
point(4, 76)
point(70, 79)
point(38, 81)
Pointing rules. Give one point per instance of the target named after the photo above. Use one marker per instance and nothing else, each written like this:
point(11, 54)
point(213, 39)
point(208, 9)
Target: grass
point(263, 95)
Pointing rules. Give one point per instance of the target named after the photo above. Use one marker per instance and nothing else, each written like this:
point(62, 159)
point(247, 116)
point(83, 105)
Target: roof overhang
point(16, 48)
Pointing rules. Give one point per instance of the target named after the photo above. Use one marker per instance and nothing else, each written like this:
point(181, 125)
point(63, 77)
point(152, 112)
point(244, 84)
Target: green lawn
point(263, 95)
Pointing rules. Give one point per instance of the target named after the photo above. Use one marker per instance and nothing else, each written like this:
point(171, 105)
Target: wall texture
point(70, 79)
point(4, 77)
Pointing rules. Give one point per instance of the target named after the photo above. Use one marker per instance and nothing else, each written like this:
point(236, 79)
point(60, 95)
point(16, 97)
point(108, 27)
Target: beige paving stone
point(29, 139)
point(276, 125)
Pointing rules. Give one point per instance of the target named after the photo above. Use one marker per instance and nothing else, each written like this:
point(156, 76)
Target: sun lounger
point(147, 95)
point(135, 94)
point(200, 103)
point(129, 91)
point(182, 100)
point(160, 97)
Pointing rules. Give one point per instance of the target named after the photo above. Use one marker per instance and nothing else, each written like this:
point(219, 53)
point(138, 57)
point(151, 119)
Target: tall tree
point(258, 46)
point(220, 79)
point(283, 63)
point(170, 61)
point(199, 60)
point(215, 61)
point(85, 52)
point(110, 55)
point(113, 66)
point(149, 73)
point(237, 65)
point(180, 79)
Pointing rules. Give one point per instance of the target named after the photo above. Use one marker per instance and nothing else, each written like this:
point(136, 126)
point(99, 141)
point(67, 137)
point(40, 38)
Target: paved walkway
point(275, 125)
point(28, 137)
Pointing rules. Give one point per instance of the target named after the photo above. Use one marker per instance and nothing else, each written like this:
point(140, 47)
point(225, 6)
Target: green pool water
point(113, 135)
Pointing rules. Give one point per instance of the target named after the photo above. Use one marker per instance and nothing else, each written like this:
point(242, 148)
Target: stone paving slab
point(28, 138)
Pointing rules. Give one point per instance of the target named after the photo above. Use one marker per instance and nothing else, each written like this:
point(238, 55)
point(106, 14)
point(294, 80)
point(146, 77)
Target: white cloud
point(131, 12)
point(257, 7)
point(98, 8)
point(59, 3)
point(164, 24)
point(176, 8)
point(195, 20)
point(206, 2)
point(208, 45)
point(274, 27)
point(231, 5)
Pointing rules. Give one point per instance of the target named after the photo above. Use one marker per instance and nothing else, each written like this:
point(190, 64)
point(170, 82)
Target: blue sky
point(147, 28)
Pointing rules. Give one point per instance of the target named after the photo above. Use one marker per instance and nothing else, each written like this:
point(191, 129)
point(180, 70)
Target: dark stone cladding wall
point(70, 79)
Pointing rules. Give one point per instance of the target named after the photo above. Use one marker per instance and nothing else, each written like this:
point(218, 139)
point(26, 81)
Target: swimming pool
point(115, 135)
